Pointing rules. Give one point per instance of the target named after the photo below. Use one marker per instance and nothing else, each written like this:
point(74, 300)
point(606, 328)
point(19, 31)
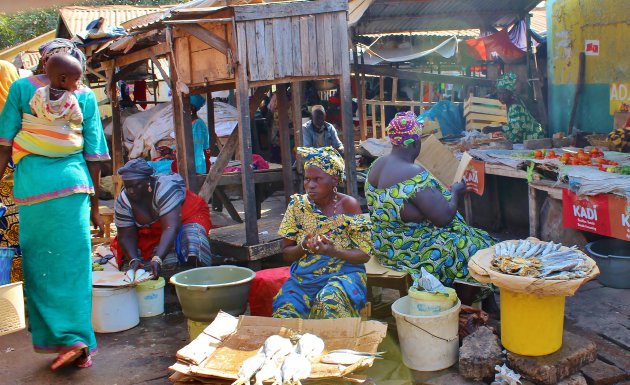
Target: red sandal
point(66, 358)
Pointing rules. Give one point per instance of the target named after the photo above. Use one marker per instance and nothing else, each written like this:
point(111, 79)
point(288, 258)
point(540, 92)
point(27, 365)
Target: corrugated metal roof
point(31, 45)
point(390, 16)
point(144, 21)
point(75, 19)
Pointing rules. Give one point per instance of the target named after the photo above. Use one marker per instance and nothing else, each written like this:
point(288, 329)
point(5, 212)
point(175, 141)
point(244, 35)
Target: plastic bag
point(428, 282)
point(449, 115)
point(506, 376)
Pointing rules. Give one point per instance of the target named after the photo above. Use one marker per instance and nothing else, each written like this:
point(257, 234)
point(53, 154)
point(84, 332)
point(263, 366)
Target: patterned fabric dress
point(321, 286)
point(405, 246)
point(521, 124)
point(10, 224)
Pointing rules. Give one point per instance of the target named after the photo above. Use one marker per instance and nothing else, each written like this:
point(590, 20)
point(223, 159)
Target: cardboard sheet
point(461, 169)
point(439, 161)
point(223, 346)
point(107, 278)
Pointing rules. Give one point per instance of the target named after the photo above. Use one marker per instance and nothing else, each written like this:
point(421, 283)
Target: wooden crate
point(482, 112)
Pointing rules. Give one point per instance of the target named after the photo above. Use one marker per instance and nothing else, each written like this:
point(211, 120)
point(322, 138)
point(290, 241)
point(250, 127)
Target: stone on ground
point(452, 379)
point(576, 379)
point(601, 373)
point(479, 354)
point(575, 353)
point(609, 352)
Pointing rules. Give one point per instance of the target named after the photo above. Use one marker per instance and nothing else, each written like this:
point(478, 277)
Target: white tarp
point(374, 55)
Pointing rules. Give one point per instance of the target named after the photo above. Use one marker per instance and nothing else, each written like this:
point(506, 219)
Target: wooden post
point(381, 96)
point(117, 156)
point(346, 118)
point(534, 220)
point(296, 100)
point(360, 97)
point(285, 141)
point(245, 133)
point(211, 127)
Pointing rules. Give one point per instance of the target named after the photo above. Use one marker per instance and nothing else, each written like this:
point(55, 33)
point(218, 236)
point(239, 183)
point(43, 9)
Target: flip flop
point(66, 358)
point(84, 362)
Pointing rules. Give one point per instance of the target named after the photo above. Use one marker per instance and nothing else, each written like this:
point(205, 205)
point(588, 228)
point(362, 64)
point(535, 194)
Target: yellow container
point(195, 328)
point(424, 303)
point(531, 325)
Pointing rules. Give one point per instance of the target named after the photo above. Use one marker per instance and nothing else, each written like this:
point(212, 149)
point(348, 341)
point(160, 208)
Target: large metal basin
point(204, 291)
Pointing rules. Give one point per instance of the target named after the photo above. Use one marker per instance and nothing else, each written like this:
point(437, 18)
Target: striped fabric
point(40, 136)
point(170, 191)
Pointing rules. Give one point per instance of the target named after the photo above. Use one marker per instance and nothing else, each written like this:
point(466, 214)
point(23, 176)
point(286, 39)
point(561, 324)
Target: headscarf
point(60, 46)
point(507, 81)
point(197, 101)
point(136, 169)
point(326, 159)
point(404, 129)
point(8, 74)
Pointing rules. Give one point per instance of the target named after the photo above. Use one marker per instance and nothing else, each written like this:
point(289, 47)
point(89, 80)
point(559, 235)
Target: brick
point(575, 353)
point(609, 352)
point(601, 373)
point(576, 379)
point(479, 354)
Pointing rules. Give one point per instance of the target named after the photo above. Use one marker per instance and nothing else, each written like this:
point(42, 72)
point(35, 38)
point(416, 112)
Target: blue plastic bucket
point(6, 261)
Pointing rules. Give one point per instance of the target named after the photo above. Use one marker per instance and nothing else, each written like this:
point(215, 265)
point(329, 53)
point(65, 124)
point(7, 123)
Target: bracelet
point(157, 259)
point(302, 246)
point(135, 260)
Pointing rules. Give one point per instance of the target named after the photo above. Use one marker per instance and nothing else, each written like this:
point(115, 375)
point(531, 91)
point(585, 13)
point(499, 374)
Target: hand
point(97, 221)
point(459, 187)
point(307, 243)
point(135, 264)
point(322, 245)
point(155, 270)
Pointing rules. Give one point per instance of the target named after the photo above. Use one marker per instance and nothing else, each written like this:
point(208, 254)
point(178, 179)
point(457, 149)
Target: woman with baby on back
point(52, 129)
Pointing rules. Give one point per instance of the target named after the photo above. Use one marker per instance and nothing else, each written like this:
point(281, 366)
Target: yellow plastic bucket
point(195, 328)
point(424, 303)
point(531, 325)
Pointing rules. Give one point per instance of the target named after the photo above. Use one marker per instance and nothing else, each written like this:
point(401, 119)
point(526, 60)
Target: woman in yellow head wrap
point(8, 74)
point(327, 240)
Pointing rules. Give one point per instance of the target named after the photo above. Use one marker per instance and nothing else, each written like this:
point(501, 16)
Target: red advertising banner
point(589, 213)
point(619, 217)
point(475, 176)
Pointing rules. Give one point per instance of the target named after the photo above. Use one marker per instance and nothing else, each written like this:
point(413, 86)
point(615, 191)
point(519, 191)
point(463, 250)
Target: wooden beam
point(418, 76)
point(143, 54)
point(214, 174)
point(157, 64)
point(222, 196)
point(296, 101)
point(381, 96)
point(358, 81)
point(98, 75)
point(287, 9)
point(120, 75)
point(211, 124)
point(285, 141)
point(346, 118)
point(206, 36)
point(117, 155)
point(244, 131)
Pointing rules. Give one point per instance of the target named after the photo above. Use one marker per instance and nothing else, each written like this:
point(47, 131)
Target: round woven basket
point(598, 140)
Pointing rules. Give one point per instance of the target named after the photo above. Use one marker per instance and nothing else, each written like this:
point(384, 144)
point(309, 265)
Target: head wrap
point(404, 129)
point(197, 101)
point(8, 74)
point(325, 158)
point(60, 46)
point(136, 169)
point(318, 107)
point(507, 81)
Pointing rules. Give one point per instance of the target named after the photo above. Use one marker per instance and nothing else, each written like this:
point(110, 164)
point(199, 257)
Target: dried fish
point(310, 346)
point(295, 368)
point(249, 368)
point(342, 358)
point(276, 346)
point(269, 371)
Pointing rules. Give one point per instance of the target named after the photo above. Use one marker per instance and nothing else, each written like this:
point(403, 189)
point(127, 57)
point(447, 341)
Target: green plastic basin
point(203, 291)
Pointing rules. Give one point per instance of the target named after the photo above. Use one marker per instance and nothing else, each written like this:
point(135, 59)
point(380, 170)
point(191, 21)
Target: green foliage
point(22, 26)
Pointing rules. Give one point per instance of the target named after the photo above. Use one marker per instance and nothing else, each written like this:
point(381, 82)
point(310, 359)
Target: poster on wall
point(619, 97)
point(591, 47)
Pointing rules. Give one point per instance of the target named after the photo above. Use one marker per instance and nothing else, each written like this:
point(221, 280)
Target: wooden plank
point(338, 24)
point(211, 126)
point(360, 99)
point(476, 108)
point(486, 118)
point(189, 147)
point(346, 119)
point(381, 95)
point(210, 38)
point(136, 56)
point(182, 60)
point(282, 37)
point(305, 49)
point(417, 76)
point(157, 64)
point(296, 100)
point(117, 136)
point(296, 46)
point(251, 46)
point(270, 50)
point(502, 170)
point(244, 131)
point(285, 141)
point(534, 216)
point(394, 89)
point(321, 48)
point(312, 46)
point(213, 177)
point(552, 188)
point(208, 66)
point(329, 44)
point(262, 56)
point(287, 9)
point(486, 101)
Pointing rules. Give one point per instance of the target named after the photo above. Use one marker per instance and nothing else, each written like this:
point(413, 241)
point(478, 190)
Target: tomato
point(613, 163)
point(600, 161)
point(602, 168)
point(538, 154)
point(551, 154)
point(574, 162)
point(581, 151)
point(595, 150)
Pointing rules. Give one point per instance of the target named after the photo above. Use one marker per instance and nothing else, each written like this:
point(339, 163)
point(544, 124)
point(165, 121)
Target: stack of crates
point(482, 112)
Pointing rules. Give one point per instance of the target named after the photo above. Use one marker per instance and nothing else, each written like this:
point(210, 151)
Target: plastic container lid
point(152, 284)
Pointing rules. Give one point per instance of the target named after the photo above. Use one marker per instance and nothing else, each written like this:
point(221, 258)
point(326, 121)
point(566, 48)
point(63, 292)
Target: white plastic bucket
point(151, 297)
point(428, 343)
point(114, 309)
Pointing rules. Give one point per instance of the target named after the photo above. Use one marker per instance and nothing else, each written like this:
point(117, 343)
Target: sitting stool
point(382, 276)
point(107, 215)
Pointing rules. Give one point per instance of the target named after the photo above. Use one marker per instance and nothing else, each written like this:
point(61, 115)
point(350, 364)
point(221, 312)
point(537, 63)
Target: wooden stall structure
point(246, 48)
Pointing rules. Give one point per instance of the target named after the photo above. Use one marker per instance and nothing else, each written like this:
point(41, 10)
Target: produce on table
point(545, 260)
point(97, 267)
point(623, 170)
point(593, 158)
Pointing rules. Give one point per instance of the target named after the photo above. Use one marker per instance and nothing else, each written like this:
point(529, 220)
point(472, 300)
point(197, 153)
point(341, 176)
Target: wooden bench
point(381, 276)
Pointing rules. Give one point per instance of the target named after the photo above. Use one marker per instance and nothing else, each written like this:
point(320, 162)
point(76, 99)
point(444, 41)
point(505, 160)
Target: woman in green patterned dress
point(415, 222)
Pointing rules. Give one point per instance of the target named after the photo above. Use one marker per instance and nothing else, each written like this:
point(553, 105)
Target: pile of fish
point(139, 275)
point(546, 260)
point(287, 362)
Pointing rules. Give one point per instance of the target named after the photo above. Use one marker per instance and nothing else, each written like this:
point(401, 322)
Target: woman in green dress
point(56, 189)
point(415, 222)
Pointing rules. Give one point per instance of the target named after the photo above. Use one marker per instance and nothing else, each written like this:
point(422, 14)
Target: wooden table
point(271, 175)
point(230, 241)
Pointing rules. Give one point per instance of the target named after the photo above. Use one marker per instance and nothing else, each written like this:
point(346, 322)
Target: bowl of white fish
point(204, 291)
point(532, 266)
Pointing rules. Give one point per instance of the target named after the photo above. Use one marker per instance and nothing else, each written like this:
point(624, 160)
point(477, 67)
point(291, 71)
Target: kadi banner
point(603, 214)
point(475, 176)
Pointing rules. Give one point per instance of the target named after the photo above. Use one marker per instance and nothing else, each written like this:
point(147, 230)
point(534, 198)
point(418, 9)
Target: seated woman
point(415, 222)
point(327, 239)
point(154, 213)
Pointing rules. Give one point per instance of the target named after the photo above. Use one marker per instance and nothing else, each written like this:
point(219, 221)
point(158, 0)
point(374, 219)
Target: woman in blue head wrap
point(201, 138)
